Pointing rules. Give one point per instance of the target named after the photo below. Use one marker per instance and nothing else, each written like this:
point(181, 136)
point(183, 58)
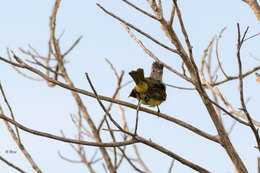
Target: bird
point(151, 90)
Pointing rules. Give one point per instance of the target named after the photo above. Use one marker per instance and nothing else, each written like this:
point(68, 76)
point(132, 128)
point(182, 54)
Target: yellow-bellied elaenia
point(151, 90)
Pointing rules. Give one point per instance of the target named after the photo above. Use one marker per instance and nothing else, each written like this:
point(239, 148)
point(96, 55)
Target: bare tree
point(201, 75)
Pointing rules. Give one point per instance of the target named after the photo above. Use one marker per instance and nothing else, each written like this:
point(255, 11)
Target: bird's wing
point(156, 89)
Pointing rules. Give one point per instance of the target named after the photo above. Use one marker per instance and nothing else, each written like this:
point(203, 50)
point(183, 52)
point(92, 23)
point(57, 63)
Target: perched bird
point(151, 90)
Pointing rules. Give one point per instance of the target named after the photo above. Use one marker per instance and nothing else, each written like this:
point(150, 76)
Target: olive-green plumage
point(150, 91)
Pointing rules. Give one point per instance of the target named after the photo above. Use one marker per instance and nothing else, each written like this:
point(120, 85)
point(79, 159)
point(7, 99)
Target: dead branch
point(144, 141)
point(241, 91)
point(253, 4)
point(72, 88)
point(11, 165)
point(38, 133)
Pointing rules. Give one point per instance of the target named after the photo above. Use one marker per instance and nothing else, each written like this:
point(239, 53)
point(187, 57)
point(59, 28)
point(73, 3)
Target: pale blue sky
point(47, 109)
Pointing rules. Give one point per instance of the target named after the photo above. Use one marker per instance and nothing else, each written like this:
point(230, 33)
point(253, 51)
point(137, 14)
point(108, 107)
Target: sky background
point(48, 109)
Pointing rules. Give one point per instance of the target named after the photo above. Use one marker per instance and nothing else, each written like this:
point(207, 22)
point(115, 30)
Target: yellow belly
point(152, 102)
point(141, 87)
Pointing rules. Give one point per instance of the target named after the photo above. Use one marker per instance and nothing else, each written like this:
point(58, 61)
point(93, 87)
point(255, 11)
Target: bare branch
point(38, 133)
point(72, 47)
point(173, 155)
point(171, 166)
point(219, 63)
point(10, 110)
point(19, 144)
point(184, 32)
point(67, 159)
point(244, 108)
point(20, 72)
point(232, 127)
point(182, 88)
point(172, 15)
point(254, 6)
point(144, 141)
point(129, 161)
point(11, 165)
point(230, 78)
point(251, 55)
point(72, 88)
point(138, 30)
point(137, 114)
point(214, 90)
point(152, 55)
point(142, 11)
point(252, 36)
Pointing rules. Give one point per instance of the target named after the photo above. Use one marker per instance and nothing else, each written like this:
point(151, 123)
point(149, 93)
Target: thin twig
point(230, 78)
point(10, 110)
point(219, 63)
point(182, 88)
point(20, 72)
point(251, 55)
point(232, 127)
point(244, 108)
point(172, 155)
point(81, 154)
point(172, 15)
point(119, 78)
point(210, 76)
point(152, 55)
point(137, 115)
point(11, 165)
point(138, 30)
point(210, 86)
point(252, 36)
point(129, 161)
point(38, 133)
point(67, 159)
point(19, 144)
point(184, 32)
point(138, 156)
point(144, 141)
point(73, 45)
point(84, 92)
point(171, 166)
point(142, 11)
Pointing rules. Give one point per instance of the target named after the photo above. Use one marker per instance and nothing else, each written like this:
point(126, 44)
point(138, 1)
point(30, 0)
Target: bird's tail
point(138, 75)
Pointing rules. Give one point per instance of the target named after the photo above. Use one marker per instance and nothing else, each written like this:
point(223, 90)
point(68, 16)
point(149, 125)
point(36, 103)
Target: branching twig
point(144, 141)
point(38, 133)
point(230, 78)
point(152, 55)
point(19, 144)
point(139, 9)
point(138, 30)
point(244, 109)
point(129, 161)
point(10, 110)
point(72, 88)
